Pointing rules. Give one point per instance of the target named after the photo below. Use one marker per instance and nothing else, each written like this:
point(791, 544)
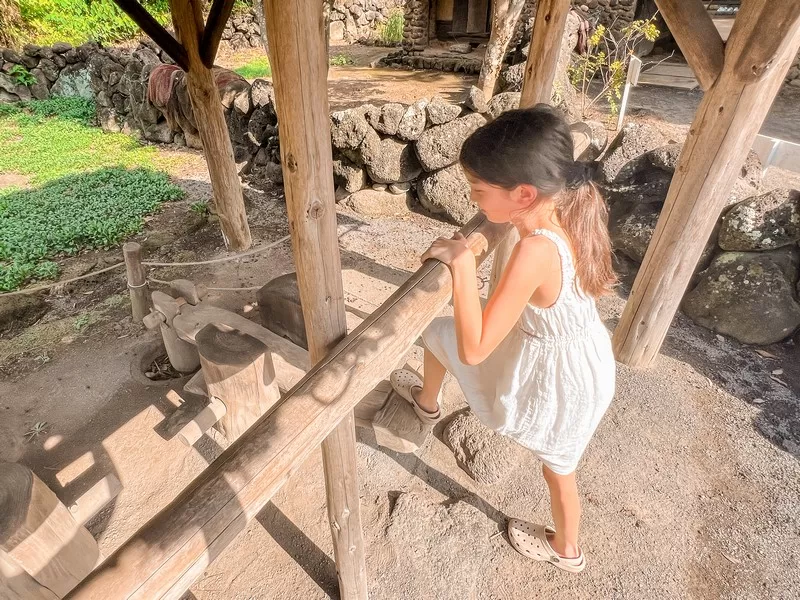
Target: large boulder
point(439, 146)
point(389, 160)
point(348, 175)
point(748, 295)
point(501, 103)
point(628, 152)
point(386, 119)
point(352, 135)
point(447, 193)
point(413, 122)
point(476, 100)
point(280, 309)
point(375, 203)
point(765, 222)
point(441, 112)
point(485, 455)
point(631, 233)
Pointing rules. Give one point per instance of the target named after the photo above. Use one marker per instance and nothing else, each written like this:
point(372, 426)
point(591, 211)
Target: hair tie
point(580, 174)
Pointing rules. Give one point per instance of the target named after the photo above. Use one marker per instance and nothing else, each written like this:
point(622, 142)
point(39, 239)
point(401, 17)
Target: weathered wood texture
point(95, 499)
point(166, 555)
point(16, 584)
point(697, 37)
point(540, 69)
point(723, 131)
point(299, 56)
point(217, 18)
point(238, 370)
point(38, 533)
point(217, 148)
point(157, 33)
point(505, 15)
point(137, 280)
point(182, 355)
point(197, 426)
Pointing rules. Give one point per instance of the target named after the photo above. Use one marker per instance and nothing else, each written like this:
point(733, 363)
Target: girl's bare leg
point(566, 508)
point(428, 396)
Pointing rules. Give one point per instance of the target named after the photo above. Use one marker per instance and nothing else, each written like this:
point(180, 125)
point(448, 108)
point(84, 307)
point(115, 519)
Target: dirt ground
point(689, 488)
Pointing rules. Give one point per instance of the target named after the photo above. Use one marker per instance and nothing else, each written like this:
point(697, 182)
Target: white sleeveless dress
point(548, 384)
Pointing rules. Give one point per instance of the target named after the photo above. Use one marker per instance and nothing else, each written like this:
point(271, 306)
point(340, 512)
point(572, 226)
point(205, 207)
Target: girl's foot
point(408, 386)
point(532, 541)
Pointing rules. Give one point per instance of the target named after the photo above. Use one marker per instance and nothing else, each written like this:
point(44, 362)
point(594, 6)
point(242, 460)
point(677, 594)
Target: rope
point(48, 286)
point(217, 260)
point(212, 289)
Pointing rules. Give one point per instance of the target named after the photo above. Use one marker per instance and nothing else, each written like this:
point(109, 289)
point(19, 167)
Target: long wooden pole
point(537, 87)
point(207, 108)
point(697, 36)
point(727, 121)
point(299, 55)
point(157, 33)
point(165, 556)
point(505, 15)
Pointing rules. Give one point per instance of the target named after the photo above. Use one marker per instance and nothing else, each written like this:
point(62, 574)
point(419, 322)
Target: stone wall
point(242, 31)
point(416, 32)
point(746, 283)
point(359, 20)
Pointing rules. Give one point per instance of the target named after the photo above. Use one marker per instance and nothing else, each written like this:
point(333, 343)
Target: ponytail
point(583, 214)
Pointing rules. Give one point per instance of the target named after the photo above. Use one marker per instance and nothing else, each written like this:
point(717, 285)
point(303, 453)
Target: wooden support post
point(137, 280)
point(537, 87)
point(157, 33)
point(697, 37)
point(165, 556)
point(540, 69)
point(299, 57)
point(723, 131)
point(217, 18)
point(238, 370)
point(95, 499)
point(505, 15)
point(38, 533)
point(17, 584)
point(194, 429)
point(208, 114)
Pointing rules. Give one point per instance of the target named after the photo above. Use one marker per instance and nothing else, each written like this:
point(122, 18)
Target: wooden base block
point(95, 499)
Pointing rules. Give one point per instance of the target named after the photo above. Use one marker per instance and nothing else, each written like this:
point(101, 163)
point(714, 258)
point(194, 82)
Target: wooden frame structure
point(195, 54)
point(166, 555)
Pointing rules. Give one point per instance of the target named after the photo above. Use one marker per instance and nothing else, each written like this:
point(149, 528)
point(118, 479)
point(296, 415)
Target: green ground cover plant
point(90, 189)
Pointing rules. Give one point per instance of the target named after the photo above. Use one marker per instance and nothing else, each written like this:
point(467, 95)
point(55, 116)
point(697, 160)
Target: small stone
point(400, 188)
point(463, 48)
point(61, 47)
point(348, 175)
point(387, 119)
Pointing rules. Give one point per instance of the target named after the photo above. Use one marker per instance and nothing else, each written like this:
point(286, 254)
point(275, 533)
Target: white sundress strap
point(564, 253)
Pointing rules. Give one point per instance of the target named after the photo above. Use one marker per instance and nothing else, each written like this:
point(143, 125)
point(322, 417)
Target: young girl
point(536, 364)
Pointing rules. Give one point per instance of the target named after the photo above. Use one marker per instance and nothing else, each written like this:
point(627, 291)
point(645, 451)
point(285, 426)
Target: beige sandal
point(403, 381)
point(531, 541)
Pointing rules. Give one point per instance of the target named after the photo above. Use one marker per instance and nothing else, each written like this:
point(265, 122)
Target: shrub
point(391, 32)
point(340, 60)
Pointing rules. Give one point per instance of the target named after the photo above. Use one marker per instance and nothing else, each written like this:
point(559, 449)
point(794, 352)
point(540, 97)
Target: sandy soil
point(689, 488)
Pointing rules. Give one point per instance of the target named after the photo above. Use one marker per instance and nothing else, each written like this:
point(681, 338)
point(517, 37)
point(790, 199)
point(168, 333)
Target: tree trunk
point(504, 21)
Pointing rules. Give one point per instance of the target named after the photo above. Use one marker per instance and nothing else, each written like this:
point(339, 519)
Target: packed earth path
point(689, 488)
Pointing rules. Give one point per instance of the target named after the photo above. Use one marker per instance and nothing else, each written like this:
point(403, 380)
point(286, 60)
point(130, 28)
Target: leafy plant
point(200, 208)
point(340, 60)
point(258, 67)
point(21, 75)
point(81, 322)
point(607, 59)
point(86, 196)
point(391, 32)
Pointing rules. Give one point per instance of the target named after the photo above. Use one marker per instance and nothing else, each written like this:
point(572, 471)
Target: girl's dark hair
point(534, 146)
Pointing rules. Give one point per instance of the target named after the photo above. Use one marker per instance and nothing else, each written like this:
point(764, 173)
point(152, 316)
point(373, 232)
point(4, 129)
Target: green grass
point(92, 189)
point(77, 21)
point(258, 67)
